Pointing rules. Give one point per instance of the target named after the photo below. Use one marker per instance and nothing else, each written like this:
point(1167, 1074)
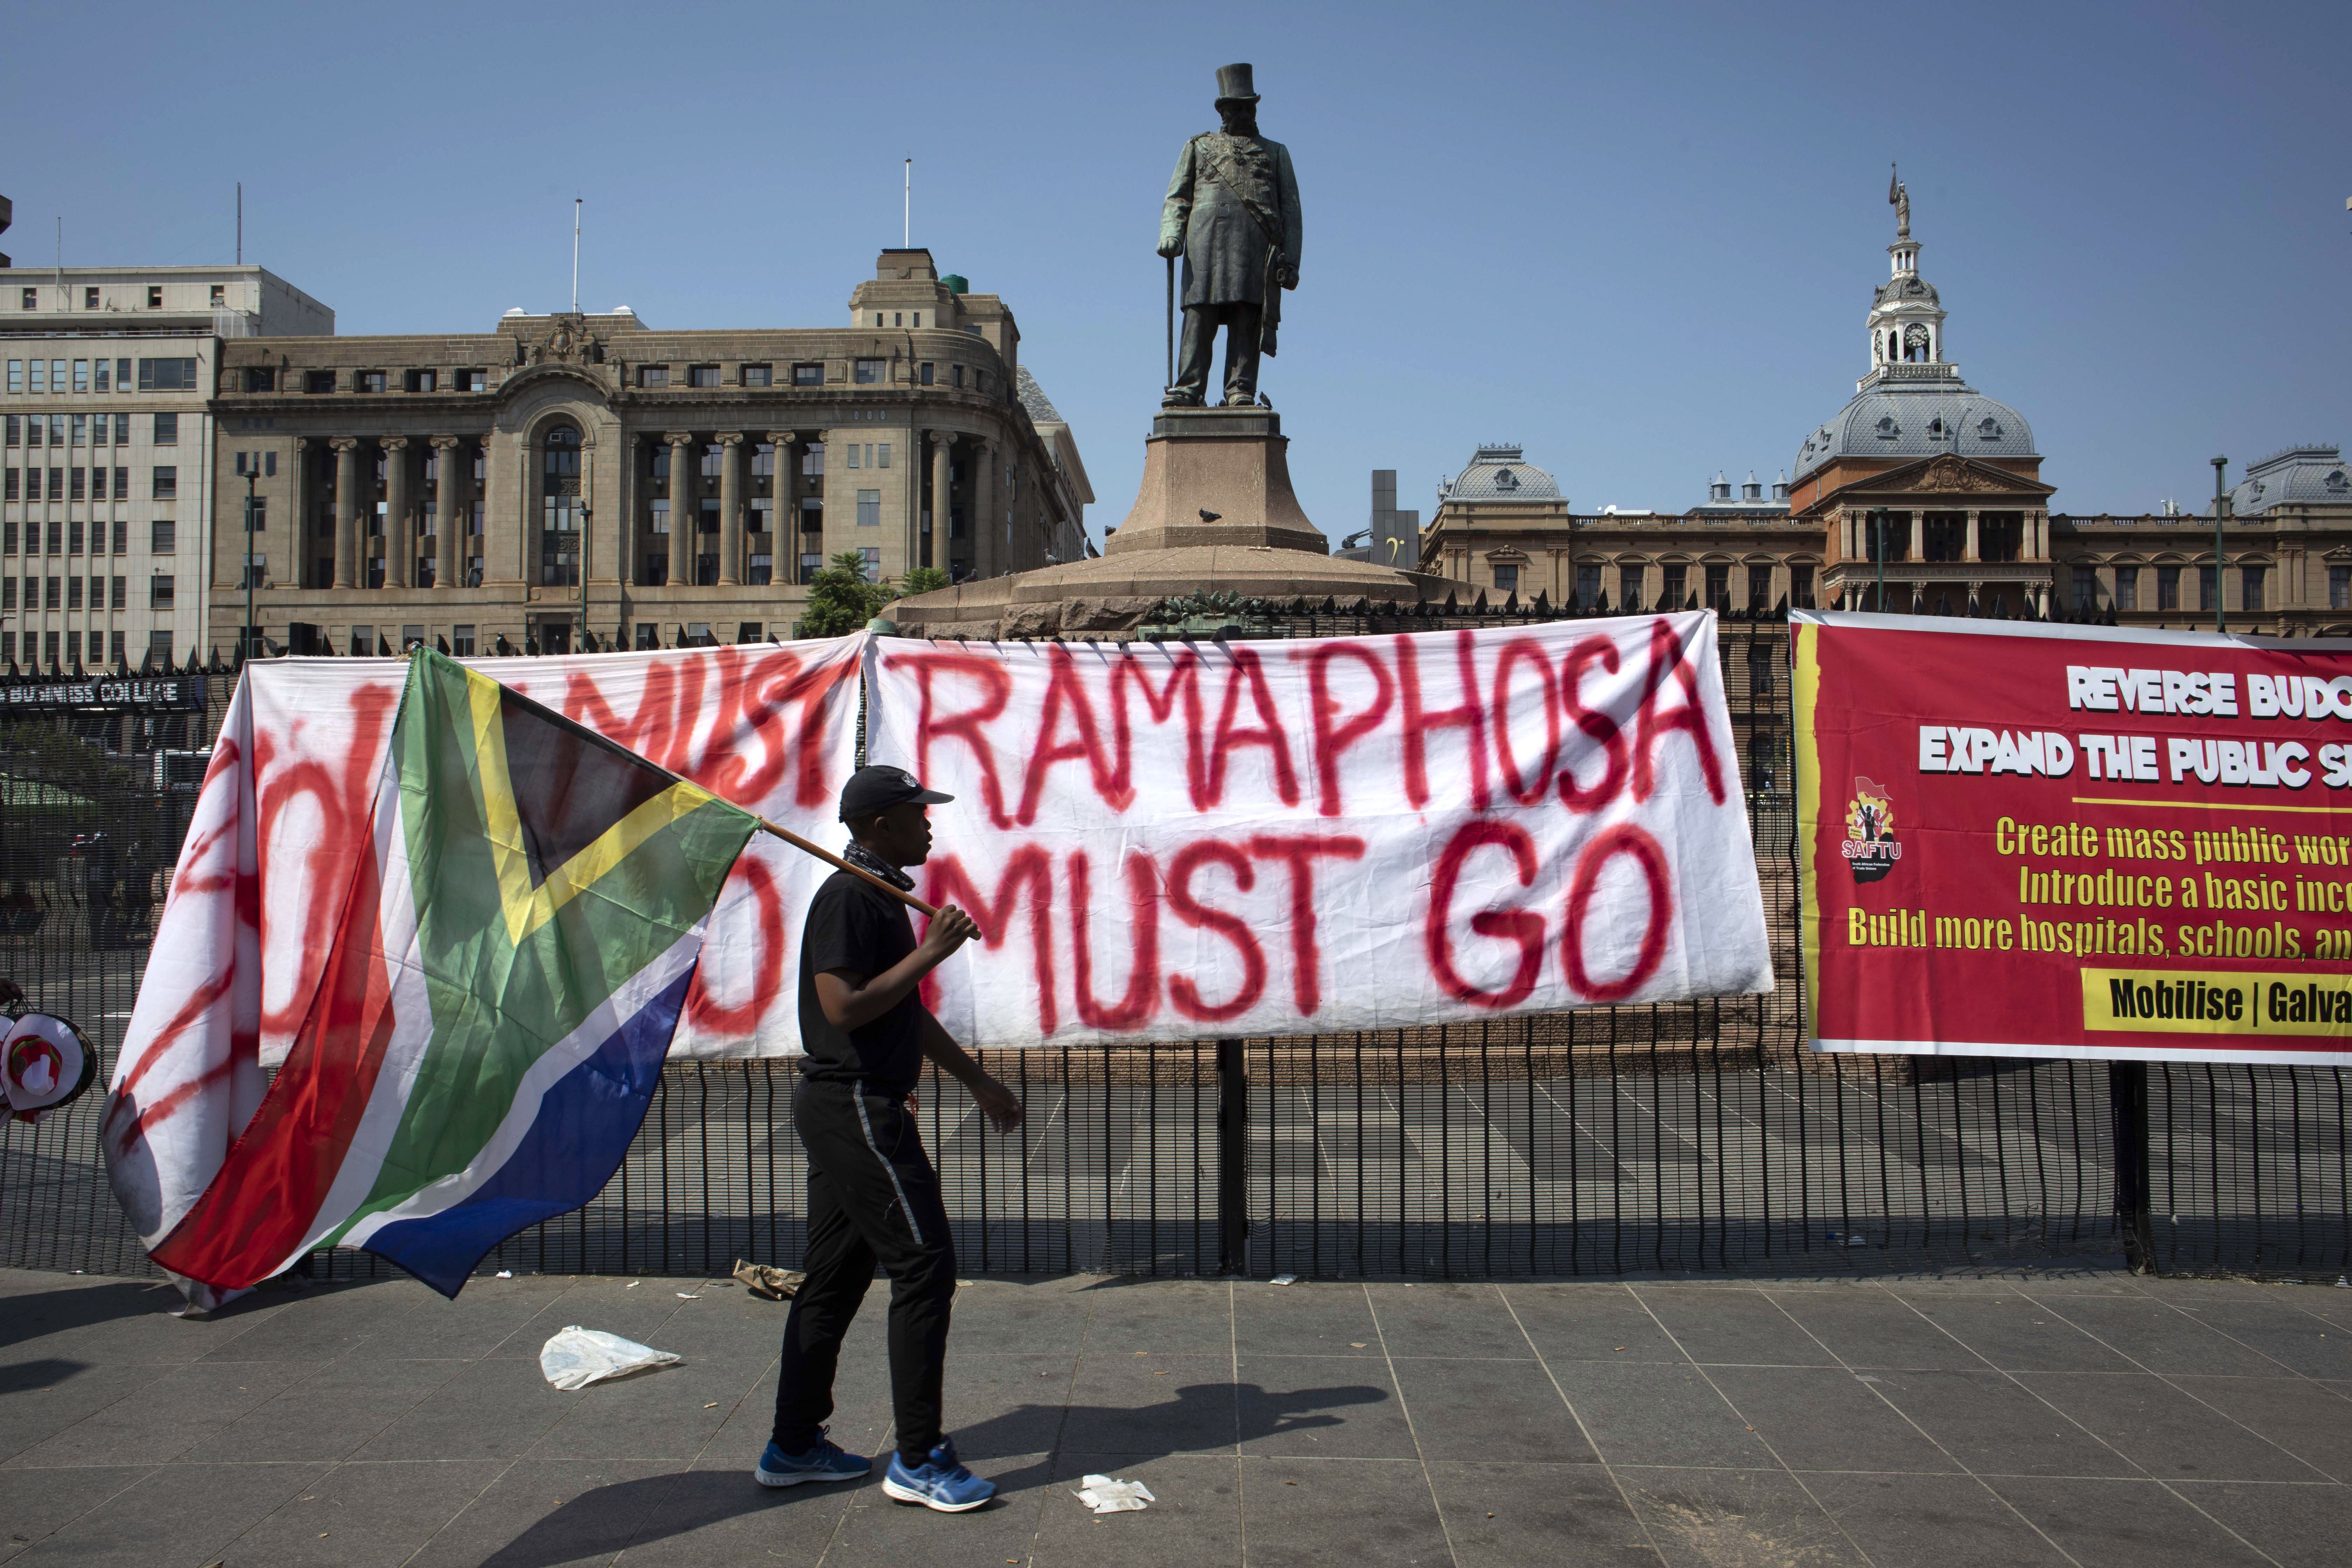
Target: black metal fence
point(1661, 1139)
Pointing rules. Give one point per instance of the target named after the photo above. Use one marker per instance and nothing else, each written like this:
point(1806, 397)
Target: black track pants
point(873, 1198)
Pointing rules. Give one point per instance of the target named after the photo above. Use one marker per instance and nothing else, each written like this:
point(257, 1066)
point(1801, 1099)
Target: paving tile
point(1171, 1317)
point(1741, 1328)
point(1825, 1419)
point(1590, 1322)
point(998, 1404)
point(2309, 1420)
point(1711, 1518)
point(41, 1502)
point(1642, 1413)
point(361, 1514)
point(1118, 1406)
point(2016, 1335)
point(637, 1313)
point(2123, 1524)
point(543, 1513)
point(1931, 1522)
point(178, 1413)
point(325, 1322)
point(710, 1519)
point(2296, 1339)
point(2162, 1338)
point(2302, 1527)
point(133, 1323)
point(1001, 1318)
point(1489, 1410)
point(178, 1514)
point(1353, 1514)
point(477, 1323)
point(1448, 1320)
point(497, 1411)
point(670, 1413)
point(47, 1397)
point(1312, 1318)
point(2166, 1432)
point(1331, 1407)
point(1195, 1516)
point(1990, 1422)
point(1875, 1328)
point(334, 1412)
point(1540, 1513)
point(875, 1531)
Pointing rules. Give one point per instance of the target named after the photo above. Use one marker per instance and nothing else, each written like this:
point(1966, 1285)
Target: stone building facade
point(106, 473)
point(573, 473)
point(1928, 486)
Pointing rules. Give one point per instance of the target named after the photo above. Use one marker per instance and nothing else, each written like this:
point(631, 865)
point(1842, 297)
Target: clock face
point(45, 1062)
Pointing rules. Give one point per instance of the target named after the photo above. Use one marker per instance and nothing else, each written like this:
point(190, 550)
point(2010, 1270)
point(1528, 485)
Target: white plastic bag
point(578, 1357)
point(1104, 1495)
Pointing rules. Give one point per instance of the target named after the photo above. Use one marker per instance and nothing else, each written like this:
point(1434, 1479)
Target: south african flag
point(504, 982)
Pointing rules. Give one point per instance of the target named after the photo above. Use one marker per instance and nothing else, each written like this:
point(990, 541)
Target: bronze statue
point(1232, 214)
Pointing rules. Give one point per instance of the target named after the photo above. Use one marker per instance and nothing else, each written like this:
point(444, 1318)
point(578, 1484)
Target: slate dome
point(1502, 473)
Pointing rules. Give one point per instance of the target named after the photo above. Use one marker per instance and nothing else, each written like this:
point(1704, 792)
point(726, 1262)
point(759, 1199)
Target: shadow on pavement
point(633, 1513)
point(38, 1312)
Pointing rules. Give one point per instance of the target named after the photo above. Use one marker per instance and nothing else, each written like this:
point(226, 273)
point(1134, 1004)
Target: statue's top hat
point(1233, 84)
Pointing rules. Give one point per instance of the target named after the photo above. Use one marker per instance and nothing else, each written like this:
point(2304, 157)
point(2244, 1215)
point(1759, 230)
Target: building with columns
point(1929, 485)
point(106, 483)
point(574, 473)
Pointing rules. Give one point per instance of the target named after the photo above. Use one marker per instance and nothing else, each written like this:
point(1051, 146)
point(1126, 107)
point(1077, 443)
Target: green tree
point(841, 600)
point(921, 580)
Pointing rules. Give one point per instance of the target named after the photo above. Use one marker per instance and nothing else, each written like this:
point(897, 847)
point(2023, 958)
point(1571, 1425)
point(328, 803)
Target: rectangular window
point(811, 515)
point(102, 371)
point(369, 381)
point(411, 637)
point(15, 477)
point(75, 493)
point(167, 429)
point(1800, 587)
point(81, 375)
point(924, 374)
point(869, 509)
point(2339, 588)
point(164, 484)
point(812, 461)
point(121, 536)
point(17, 376)
point(154, 296)
point(53, 593)
point(1718, 588)
point(364, 642)
point(73, 593)
point(707, 519)
point(159, 592)
point(115, 654)
point(872, 567)
point(473, 381)
point(56, 538)
point(88, 297)
point(811, 564)
point(2207, 594)
point(40, 375)
point(423, 380)
point(123, 484)
point(2250, 587)
point(702, 375)
point(653, 375)
point(7, 592)
point(56, 484)
point(159, 647)
point(1759, 587)
point(808, 375)
point(2168, 587)
point(661, 517)
point(317, 381)
point(167, 375)
point(122, 429)
point(1629, 588)
point(123, 375)
point(261, 378)
point(118, 592)
point(866, 372)
point(854, 450)
point(882, 456)
point(649, 636)
point(758, 375)
point(1671, 586)
point(15, 424)
point(697, 634)
point(2086, 588)
point(49, 645)
point(706, 571)
point(762, 571)
point(73, 537)
point(32, 298)
point(653, 569)
point(81, 429)
point(461, 641)
point(1506, 579)
point(979, 381)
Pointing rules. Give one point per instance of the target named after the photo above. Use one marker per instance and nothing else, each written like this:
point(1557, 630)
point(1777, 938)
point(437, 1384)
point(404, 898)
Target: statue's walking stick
point(1171, 321)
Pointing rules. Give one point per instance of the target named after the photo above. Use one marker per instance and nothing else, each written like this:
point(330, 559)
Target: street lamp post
point(2220, 513)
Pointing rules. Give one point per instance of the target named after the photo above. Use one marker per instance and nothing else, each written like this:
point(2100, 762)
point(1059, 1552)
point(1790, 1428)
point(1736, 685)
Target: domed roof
point(1502, 473)
point(2298, 475)
point(1896, 421)
point(1909, 288)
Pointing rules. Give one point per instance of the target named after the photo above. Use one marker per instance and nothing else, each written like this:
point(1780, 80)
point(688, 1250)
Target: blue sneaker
point(944, 1483)
point(826, 1462)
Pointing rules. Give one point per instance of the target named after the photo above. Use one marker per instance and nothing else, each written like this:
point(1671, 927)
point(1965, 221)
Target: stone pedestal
point(1234, 462)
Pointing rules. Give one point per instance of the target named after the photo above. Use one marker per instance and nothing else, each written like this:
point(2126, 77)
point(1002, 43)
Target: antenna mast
point(575, 256)
point(240, 223)
point(906, 234)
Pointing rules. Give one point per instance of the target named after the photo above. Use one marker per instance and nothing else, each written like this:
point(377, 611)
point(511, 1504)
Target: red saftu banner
point(2028, 840)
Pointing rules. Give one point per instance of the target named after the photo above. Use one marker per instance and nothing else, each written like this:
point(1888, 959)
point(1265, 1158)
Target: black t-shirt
point(854, 925)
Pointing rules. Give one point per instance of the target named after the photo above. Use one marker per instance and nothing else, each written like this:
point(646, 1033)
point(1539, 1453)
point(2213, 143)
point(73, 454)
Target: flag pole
point(835, 861)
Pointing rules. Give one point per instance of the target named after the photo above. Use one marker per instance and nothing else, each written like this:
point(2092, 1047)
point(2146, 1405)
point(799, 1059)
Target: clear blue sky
point(1638, 239)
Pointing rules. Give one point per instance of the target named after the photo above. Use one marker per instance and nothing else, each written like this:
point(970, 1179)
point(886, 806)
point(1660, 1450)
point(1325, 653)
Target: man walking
point(871, 1194)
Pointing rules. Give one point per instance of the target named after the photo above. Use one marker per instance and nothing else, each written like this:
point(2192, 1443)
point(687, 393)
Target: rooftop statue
point(1232, 214)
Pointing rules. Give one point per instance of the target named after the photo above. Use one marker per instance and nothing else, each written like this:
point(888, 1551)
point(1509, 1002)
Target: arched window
point(560, 509)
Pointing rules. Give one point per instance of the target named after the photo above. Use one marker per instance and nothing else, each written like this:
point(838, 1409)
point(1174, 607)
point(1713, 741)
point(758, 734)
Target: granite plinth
point(1232, 462)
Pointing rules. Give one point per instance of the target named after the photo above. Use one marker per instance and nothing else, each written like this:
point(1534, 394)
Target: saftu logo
point(1870, 848)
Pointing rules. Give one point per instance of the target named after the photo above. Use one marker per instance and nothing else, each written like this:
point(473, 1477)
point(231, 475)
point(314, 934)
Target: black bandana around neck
point(864, 859)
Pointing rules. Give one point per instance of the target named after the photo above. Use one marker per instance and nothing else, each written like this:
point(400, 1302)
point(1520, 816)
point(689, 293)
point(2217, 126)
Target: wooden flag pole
point(830, 858)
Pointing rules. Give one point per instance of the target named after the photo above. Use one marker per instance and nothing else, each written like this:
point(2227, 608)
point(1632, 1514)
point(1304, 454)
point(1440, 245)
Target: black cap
point(878, 789)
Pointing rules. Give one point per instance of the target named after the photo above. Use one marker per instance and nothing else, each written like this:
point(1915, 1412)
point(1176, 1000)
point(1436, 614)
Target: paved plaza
point(2047, 1417)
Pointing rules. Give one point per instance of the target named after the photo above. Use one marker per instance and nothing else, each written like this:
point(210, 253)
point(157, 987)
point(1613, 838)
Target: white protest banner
point(281, 818)
point(1173, 840)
